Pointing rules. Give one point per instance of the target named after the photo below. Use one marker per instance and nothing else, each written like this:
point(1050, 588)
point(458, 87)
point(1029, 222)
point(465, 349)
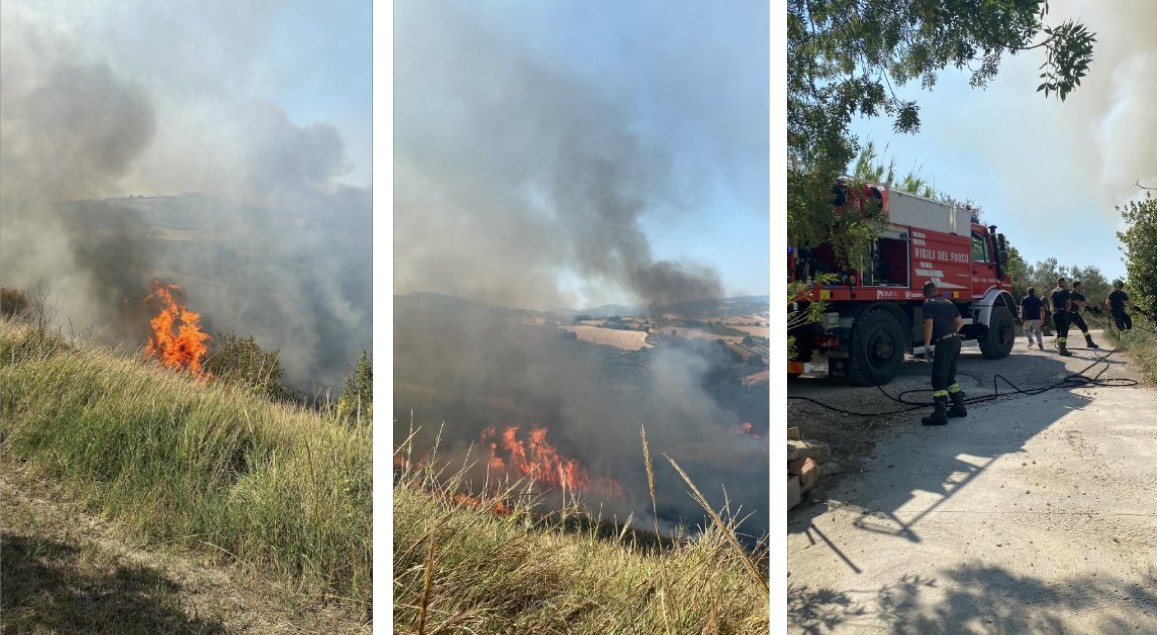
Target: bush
point(13, 303)
point(240, 361)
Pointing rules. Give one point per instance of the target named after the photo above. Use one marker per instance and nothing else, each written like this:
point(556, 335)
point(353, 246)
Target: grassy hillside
point(217, 470)
point(461, 568)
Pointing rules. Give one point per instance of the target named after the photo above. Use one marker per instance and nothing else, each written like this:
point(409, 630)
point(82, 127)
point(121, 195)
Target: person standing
point(1080, 303)
point(1046, 318)
point(1116, 303)
point(942, 323)
point(1031, 310)
point(1062, 305)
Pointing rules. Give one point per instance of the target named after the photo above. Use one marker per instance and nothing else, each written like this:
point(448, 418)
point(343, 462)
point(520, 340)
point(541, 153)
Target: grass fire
point(177, 340)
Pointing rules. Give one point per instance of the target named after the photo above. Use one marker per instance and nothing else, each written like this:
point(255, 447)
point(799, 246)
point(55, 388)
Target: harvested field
point(700, 333)
point(625, 340)
point(757, 331)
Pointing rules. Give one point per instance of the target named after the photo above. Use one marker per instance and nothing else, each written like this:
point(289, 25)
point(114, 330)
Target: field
point(460, 568)
point(211, 472)
point(615, 338)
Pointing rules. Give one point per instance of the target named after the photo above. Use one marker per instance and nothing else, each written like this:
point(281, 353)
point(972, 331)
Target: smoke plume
point(99, 107)
point(516, 175)
point(511, 170)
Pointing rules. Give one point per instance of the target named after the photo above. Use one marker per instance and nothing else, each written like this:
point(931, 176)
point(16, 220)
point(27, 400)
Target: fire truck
point(873, 311)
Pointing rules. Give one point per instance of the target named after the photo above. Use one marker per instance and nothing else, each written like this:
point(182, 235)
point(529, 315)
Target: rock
point(809, 474)
point(794, 495)
point(830, 468)
point(793, 434)
point(821, 452)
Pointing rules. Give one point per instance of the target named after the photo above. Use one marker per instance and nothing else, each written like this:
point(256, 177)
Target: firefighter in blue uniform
point(942, 324)
point(1062, 314)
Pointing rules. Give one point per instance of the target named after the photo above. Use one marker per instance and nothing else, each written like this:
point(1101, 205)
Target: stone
point(794, 495)
point(821, 452)
point(809, 475)
point(793, 434)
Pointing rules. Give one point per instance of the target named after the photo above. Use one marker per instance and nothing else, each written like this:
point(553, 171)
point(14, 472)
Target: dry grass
point(462, 569)
point(617, 338)
point(67, 571)
point(1141, 345)
point(282, 490)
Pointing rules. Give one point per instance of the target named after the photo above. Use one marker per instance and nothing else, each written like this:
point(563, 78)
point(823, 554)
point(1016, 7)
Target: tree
point(356, 404)
point(869, 167)
point(1017, 270)
point(846, 57)
point(1139, 242)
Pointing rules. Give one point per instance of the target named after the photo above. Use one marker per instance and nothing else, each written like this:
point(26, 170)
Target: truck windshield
point(979, 249)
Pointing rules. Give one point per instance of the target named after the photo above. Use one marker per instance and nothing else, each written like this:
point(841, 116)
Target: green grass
point(463, 569)
point(1140, 344)
point(216, 469)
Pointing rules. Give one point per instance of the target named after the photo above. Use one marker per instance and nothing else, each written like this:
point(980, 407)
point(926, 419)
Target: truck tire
point(997, 342)
point(877, 349)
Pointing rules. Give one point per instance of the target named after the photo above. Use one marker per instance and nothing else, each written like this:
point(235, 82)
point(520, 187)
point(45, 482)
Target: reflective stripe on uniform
point(954, 388)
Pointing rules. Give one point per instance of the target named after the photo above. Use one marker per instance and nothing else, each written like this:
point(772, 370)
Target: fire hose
point(1073, 380)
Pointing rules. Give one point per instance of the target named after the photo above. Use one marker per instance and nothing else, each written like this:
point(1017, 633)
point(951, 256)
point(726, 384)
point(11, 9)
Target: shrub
point(240, 361)
point(13, 302)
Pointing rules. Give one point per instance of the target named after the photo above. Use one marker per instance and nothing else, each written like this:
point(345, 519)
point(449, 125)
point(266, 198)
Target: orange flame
point(748, 429)
point(496, 507)
point(184, 347)
point(539, 460)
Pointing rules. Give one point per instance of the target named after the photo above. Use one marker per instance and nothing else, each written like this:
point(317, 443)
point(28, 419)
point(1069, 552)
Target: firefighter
point(1080, 303)
point(1116, 303)
point(1046, 319)
point(942, 323)
point(1062, 315)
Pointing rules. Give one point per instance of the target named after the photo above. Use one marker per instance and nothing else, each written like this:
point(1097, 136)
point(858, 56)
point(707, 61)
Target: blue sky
point(319, 57)
point(1048, 173)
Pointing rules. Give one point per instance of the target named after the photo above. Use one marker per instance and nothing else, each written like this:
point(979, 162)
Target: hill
point(208, 469)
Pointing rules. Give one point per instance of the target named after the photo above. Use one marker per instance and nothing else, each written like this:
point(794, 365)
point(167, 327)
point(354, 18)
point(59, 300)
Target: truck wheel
point(877, 349)
point(997, 343)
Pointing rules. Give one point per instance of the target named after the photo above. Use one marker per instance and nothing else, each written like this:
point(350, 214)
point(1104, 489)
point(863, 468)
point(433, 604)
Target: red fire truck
point(873, 313)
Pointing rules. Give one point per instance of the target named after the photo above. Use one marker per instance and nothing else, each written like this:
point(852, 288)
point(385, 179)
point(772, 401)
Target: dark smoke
point(97, 108)
point(513, 172)
point(510, 171)
point(460, 367)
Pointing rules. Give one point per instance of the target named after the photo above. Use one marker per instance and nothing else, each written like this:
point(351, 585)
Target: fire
point(496, 507)
point(747, 429)
point(177, 339)
point(539, 460)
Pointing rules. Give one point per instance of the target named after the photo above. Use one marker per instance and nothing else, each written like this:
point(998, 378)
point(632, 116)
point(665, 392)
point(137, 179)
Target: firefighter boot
point(938, 416)
point(1089, 341)
point(1063, 346)
point(957, 409)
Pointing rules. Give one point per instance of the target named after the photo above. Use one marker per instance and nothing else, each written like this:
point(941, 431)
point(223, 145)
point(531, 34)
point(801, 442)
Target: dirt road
point(1032, 515)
